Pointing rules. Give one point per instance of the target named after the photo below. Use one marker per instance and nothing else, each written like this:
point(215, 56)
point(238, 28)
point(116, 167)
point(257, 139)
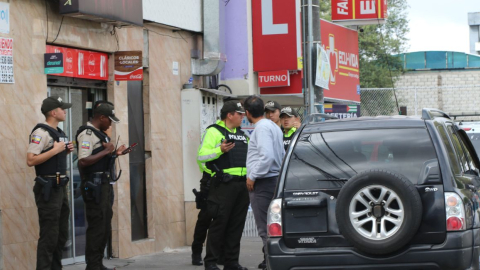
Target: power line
point(60, 28)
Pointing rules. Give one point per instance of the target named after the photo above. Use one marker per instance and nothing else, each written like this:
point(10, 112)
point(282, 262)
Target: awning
point(217, 92)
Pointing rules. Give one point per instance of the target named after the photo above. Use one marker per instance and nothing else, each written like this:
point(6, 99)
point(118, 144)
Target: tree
point(378, 45)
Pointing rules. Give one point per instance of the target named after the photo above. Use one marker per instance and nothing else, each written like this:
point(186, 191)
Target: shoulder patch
point(36, 139)
point(89, 132)
point(85, 145)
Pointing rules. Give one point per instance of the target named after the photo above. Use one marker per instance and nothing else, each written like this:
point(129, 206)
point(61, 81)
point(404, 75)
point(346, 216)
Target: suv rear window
point(325, 160)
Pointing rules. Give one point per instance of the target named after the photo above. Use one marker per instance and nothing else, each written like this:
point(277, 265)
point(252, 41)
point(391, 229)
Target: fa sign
point(359, 12)
point(276, 35)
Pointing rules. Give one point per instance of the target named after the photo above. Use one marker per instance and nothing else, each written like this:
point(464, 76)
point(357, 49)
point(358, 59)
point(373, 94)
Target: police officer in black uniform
point(96, 158)
point(288, 118)
point(48, 151)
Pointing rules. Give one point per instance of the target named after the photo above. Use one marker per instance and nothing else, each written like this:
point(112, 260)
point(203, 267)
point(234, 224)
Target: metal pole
point(310, 66)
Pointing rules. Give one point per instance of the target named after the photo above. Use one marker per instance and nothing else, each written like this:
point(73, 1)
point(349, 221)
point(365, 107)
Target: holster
point(47, 187)
point(93, 187)
point(200, 199)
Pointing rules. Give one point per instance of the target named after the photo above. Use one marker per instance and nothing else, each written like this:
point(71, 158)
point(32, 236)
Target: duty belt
point(105, 176)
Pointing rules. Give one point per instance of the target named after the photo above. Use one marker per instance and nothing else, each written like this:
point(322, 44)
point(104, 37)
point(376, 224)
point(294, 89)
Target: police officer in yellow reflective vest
point(48, 151)
point(224, 151)
point(96, 158)
point(288, 118)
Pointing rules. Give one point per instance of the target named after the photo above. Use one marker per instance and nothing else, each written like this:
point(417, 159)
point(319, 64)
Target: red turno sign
point(341, 45)
point(81, 63)
point(273, 78)
point(346, 10)
point(276, 35)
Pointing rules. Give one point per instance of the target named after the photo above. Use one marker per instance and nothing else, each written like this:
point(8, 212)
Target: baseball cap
point(107, 109)
point(288, 111)
point(53, 102)
point(272, 106)
point(232, 106)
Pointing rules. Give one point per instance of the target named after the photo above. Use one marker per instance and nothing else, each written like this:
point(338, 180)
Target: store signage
point(128, 66)
point(6, 60)
point(342, 111)
point(82, 63)
point(4, 17)
point(359, 12)
point(295, 87)
point(128, 11)
point(341, 46)
point(273, 78)
point(276, 35)
point(53, 63)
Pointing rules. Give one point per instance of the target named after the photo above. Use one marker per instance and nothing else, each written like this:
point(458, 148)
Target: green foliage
point(377, 45)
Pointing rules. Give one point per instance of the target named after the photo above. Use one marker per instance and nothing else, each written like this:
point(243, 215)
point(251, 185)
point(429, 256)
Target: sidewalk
point(179, 259)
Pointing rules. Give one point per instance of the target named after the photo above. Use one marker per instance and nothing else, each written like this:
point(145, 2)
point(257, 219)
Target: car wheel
point(378, 211)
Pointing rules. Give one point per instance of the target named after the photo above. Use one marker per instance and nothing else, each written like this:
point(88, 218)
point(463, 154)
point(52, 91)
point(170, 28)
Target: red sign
point(276, 35)
point(344, 10)
point(128, 66)
point(341, 45)
point(81, 63)
point(295, 87)
point(273, 78)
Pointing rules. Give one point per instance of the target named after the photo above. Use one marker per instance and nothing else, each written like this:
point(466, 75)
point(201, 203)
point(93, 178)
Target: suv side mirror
point(430, 173)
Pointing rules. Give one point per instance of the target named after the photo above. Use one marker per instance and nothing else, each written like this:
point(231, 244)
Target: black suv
point(377, 193)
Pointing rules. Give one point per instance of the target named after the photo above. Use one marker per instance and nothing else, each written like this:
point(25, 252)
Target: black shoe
point(212, 267)
point(235, 266)
point(106, 268)
point(221, 261)
point(262, 265)
point(197, 259)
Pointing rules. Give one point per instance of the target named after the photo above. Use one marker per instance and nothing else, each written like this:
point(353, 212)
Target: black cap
point(272, 106)
point(232, 106)
point(53, 102)
point(107, 109)
point(288, 111)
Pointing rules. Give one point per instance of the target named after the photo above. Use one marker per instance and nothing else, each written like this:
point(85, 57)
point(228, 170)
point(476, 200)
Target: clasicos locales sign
point(128, 66)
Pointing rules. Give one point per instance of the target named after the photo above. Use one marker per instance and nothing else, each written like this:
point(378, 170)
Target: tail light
point(274, 218)
point(467, 129)
point(455, 212)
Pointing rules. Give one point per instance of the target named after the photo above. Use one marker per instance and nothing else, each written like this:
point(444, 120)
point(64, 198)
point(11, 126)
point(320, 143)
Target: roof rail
point(430, 114)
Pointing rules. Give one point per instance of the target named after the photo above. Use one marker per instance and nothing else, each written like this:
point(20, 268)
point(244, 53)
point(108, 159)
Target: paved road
point(179, 259)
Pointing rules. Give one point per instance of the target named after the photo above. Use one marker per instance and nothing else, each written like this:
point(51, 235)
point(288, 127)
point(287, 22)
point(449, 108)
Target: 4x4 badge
point(431, 189)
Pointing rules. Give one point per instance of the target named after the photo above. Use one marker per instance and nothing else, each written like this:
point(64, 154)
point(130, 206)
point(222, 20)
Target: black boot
point(197, 259)
point(262, 265)
point(234, 266)
point(211, 267)
point(106, 268)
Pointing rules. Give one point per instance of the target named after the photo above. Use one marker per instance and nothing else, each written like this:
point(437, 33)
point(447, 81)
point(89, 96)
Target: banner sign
point(276, 35)
point(359, 12)
point(53, 63)
point(323, 68)
point(273, 78)
point(6, 60)
point(81, 63)
point(4, 17)
point(128, 66)
point(342, 111)
point(341, 46)
point(295, 87)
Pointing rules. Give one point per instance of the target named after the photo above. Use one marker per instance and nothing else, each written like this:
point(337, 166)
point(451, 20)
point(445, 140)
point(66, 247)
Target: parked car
point(469, 127)
point(377, 193)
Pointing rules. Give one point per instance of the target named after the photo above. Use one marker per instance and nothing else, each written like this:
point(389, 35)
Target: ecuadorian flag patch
point(36, 139)
point(85, 145)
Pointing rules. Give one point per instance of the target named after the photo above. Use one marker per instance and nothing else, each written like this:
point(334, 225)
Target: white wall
point(184, 14)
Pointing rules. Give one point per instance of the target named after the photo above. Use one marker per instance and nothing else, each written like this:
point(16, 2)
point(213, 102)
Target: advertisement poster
point(322, 77)
point(53, 63)
point(6, 60)
point(128, 66)
point(4, 17)
point(342, 111)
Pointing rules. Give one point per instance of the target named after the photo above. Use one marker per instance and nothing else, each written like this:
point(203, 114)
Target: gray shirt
point(265, 150)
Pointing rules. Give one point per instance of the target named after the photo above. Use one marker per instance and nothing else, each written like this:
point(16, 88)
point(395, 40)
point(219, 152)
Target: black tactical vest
point(287, 140)
point(102, 164)
point(57, 163)
point(237, 156)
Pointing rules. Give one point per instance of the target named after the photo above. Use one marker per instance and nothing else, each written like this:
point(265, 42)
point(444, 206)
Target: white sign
point(175, 68)
point(6, 60)
point(322, 78)
point(4, 17)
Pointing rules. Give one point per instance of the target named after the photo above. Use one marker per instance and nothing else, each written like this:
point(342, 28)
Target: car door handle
point(306, 203)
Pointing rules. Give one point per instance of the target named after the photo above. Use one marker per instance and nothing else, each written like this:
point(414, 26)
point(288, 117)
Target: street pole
point(311, 36)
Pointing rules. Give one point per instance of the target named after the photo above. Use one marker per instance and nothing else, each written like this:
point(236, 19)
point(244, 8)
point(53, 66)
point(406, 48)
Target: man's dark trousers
point(228, 206)
point(53, 219)
point(203, 220)
point(99, 218)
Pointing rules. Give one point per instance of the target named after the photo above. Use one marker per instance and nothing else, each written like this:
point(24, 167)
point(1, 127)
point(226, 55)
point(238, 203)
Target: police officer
point(48, 151)
point(272, 111)
point(96, 157)
point(288, 117)
point(224, 151)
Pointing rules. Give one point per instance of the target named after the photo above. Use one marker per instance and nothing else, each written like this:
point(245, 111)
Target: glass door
point(80, 113)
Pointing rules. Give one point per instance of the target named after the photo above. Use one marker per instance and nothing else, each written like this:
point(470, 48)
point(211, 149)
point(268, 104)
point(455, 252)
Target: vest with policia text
point(103, 164)
point(287, 138)
point(237, 156)
point(57, 163)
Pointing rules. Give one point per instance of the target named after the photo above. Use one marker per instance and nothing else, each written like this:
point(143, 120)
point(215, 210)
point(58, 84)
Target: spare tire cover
point(378, 211)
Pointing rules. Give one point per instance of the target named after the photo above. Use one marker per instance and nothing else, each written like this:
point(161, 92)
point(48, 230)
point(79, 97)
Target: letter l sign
point(268, 28)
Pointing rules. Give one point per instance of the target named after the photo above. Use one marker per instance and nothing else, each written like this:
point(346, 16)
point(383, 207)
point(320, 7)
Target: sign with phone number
point(6, 60)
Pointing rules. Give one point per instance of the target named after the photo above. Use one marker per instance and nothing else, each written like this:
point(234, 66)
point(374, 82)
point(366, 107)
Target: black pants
point(228, 206)
point(203, 219)
point(53, 220)
point(99, 218)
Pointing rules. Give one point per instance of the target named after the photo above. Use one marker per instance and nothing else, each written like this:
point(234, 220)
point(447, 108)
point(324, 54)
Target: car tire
point(378, 211)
